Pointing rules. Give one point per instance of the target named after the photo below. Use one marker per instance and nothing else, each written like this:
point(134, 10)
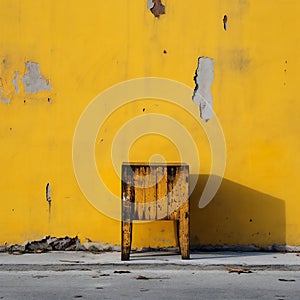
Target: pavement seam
point(106, 266)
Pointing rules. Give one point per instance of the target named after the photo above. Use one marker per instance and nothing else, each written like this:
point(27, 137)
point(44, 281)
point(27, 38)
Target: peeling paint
point(202, 96)
point(5, 100)
point(156, 7)
point(48, 197)
point(33, 80)
point(15, 82)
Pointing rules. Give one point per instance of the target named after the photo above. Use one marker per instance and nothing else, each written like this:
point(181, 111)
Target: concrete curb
point(84, 261)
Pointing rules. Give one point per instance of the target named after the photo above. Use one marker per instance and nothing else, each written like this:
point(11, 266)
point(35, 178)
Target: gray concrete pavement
point(149, 275)
point(160, 284)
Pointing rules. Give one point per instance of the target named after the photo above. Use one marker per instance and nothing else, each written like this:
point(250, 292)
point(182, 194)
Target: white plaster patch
point(150, 4)
point(202, 94)
point(33, 80)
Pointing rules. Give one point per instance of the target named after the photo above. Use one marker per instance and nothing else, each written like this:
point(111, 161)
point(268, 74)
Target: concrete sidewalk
point(82, 260)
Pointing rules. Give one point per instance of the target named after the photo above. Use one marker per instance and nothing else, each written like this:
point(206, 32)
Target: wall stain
point(240, 60)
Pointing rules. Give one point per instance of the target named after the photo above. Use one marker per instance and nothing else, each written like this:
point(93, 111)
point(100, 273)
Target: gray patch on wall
point(202, 96)
point(15, 82)
point(5, 100)
point(33, 80)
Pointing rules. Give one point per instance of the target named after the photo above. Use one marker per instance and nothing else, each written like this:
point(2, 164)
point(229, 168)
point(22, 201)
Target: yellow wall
point(85, 47)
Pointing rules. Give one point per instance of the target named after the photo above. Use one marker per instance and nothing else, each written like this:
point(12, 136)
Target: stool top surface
point(154, 164)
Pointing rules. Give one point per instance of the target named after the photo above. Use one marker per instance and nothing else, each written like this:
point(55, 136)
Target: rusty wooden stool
point(155, 192)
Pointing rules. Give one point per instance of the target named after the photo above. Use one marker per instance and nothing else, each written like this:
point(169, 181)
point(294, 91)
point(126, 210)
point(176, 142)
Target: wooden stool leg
point(126, 240)
point(127, 216)
point(178, 234)
point(184, 230)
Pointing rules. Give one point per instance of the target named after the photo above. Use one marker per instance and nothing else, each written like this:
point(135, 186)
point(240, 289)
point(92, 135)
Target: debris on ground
point(53, 244)
point(49, 243)
point(71, 261)
point(97, 247)
point(39, 276)
point(298, 254)
point(237, 270)
point(15, 249)
point(290, 280)
point(141, 277)
point(122, 272)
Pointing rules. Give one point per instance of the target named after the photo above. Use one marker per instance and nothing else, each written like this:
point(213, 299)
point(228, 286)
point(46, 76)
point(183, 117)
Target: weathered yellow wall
point(84, 47)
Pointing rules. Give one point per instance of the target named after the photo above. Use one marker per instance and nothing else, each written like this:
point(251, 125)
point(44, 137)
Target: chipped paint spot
point(15, 82)
point(202, 96)
point(225, 22)
point(33, 80)
point(156, 7)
